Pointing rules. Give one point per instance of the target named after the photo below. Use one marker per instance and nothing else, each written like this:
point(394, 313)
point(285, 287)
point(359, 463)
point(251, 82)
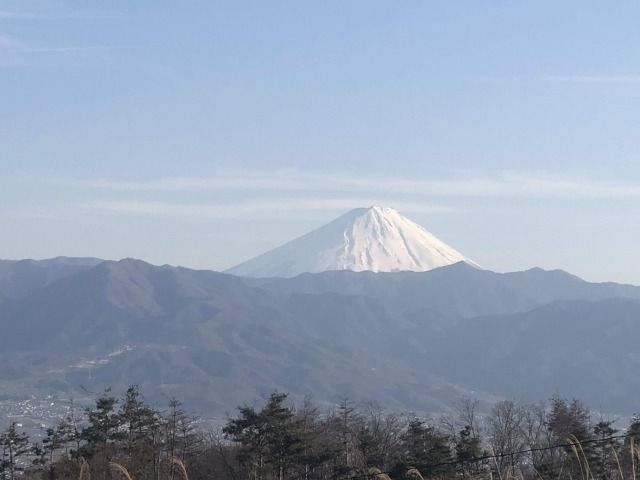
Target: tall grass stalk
point(633, 458)
point(615, 455)
point(577, 455)
point(537, 472)
point(587, 467)
point(587, 475)
point(495, 460)
point(378, 474)
point(84, 474)
point(180, 464)
point(119, 468)
point(414, 473)
point(562, 468)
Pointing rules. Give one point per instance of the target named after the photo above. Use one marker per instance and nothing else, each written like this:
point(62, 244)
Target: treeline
point(127, 438)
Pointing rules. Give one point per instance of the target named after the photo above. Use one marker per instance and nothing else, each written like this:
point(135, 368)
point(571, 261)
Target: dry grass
point(414, 473)
point(577, 455)
point(615, 455)
point(120, 469)
point(632, 447)
point(561, 468)
point(495, 460)
point(537, 472)
point(576, 447)
point(85, 473)
point(180, 464)
point(378, 474)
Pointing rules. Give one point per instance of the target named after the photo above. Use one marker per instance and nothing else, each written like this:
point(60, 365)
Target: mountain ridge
point(217, 340)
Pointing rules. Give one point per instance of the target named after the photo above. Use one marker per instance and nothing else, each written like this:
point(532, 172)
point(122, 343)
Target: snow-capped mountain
point(377, 239)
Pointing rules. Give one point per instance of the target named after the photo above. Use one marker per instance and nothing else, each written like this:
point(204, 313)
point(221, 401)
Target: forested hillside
point(407, 340)
point(280, 440)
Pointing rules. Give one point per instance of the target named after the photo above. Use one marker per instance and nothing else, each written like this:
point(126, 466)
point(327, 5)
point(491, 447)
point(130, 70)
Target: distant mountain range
point(411, 340)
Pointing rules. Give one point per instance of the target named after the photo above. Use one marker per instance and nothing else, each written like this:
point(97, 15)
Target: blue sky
point(203, 133)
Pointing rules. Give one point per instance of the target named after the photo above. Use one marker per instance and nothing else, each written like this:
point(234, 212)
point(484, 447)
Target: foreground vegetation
point(127, 438)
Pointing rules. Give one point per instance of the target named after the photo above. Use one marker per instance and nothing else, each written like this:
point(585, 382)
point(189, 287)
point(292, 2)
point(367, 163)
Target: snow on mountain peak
point(377, 239)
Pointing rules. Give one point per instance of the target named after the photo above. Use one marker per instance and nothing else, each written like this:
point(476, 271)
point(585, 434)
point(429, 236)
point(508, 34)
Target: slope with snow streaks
point(374, 239)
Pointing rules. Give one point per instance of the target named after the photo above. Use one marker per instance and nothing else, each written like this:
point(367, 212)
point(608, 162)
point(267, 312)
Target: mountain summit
point(377, 239)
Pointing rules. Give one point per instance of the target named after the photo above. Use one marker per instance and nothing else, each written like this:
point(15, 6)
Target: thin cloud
point(7, 42)
point(290, 194)
point(42, 16)
point(596, 79)
point(244, 180)
point(71, 49)
point(249, 210)
point(18, 47)
point(48, 213)
point(506, 184)
point(608, 80)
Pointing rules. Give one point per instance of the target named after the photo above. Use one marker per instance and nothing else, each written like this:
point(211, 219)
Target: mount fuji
point(377, 239)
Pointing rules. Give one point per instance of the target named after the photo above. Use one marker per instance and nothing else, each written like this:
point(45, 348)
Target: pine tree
point(269, 438)
point(138, 420)
point(14, 445)
point(104, 423)
point(570, 421)
point(247, 431)
point(467, 449)
point(426, 449)
point(180, 436)
point(103, 431)
point(605, 465)
point(57, 438)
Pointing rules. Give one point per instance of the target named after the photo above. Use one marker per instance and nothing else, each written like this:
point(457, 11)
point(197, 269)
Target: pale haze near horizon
point(202, 134)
